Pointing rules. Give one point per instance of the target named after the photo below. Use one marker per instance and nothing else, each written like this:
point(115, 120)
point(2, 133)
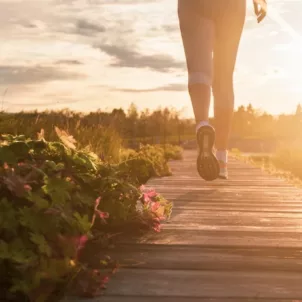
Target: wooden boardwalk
point(235, 240)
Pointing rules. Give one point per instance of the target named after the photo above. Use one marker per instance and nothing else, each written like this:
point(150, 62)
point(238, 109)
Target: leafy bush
point(173, 152)
point(148, 161)
point(53, 199)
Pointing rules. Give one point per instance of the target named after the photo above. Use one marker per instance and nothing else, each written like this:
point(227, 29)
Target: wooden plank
point(255, 207)
point(224, 238)
point(235, 214)
point(256, 190)
point(198, 227)
point(227, 199)
point(206, 284)
point(237, 196)
point(231, 182)
point(116, 298)
point(173, 257)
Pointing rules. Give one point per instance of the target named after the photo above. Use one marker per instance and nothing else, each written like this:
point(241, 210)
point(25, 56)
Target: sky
point(88, 55)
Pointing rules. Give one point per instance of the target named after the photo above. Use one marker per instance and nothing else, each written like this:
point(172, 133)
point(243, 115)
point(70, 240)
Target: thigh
point(229, 25)
point(198, 35)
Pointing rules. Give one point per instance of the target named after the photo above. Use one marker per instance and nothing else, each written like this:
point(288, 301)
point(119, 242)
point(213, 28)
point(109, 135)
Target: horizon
point(79, 54)
point(257, 111)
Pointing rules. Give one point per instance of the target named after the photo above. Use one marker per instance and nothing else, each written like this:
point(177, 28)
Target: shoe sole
point(207, 163)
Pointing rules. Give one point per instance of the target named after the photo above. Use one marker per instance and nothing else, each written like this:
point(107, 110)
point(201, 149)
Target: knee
point(203, 78)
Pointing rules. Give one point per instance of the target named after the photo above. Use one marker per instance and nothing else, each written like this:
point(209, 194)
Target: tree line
point(155, 126)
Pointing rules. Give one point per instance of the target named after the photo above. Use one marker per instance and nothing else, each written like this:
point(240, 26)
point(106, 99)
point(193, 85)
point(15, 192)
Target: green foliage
point(148, 161)
point(288, 159)
point(54, 198)
point(172, 152)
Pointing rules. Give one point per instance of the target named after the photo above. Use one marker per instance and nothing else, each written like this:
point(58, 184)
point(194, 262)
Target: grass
point(285, 163)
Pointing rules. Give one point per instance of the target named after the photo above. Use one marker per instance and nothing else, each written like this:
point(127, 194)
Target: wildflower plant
point(53, 200)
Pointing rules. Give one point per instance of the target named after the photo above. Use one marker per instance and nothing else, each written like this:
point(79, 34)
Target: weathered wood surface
point(227, 241)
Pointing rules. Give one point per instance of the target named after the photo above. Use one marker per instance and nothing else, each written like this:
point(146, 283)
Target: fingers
point(261, 16)
point(260, 9)
point(256, 9)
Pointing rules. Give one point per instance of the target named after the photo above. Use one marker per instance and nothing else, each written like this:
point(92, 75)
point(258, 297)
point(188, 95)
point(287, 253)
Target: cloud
point(16, 75)
point(88, 27)
point(170, 87)
point(75, 26)
point(68, 62)
point(125, 57)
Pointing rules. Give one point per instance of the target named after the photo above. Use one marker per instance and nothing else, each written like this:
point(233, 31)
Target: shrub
point(148, 161)
point(173, 152)
point(53, 199)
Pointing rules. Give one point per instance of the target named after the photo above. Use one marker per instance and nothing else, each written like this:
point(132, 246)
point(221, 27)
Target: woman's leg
point(229, 25)
point(198, 34)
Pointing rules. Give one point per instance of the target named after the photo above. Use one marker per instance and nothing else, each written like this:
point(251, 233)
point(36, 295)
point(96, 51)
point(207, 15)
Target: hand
point(260, 7)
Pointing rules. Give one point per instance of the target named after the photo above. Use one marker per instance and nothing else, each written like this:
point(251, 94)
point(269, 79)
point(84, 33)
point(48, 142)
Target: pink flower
point(157, 228)
point(81, 241)
point(152, 193)
point(142, 188)
point(21, 164)
point(156, 224)
point(97, 202)
point(27, 188)
point(5, 166)
point(148, 195)
point(105, 280)
point(155, 206)
point(102, 215)
point(162, 218)
point(146, 198)
point(156, 220)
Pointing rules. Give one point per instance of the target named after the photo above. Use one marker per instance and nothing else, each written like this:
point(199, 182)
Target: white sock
point(201, 124)
point(222, 155)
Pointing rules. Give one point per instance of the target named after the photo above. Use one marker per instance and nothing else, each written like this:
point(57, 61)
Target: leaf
point(88, 160)
point(26, 218)
point(67, 139)
point(38, 145)
point(7, 155)
point(84, 223)
point(58, 189)
point(8, 217)
point(16, 184)
point(20, 253)
point(40, 202)
point(40, 241)
point(20, 149)
point(57, 147)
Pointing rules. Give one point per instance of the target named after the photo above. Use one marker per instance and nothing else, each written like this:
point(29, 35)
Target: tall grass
point(289, 160)
point(105, 142)
point(285, 162)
